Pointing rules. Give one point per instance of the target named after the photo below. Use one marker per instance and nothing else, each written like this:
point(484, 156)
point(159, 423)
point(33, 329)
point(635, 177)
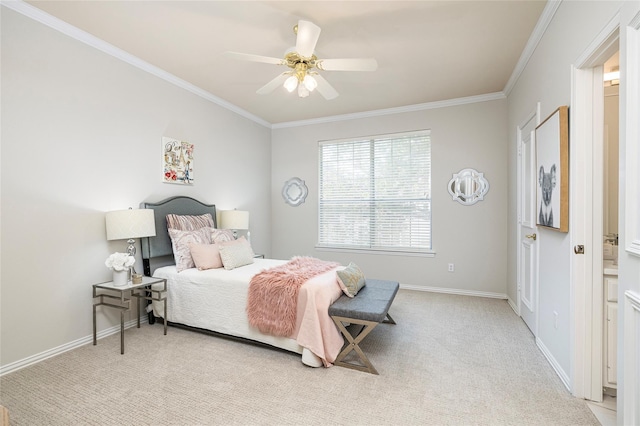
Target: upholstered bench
point(367, 309)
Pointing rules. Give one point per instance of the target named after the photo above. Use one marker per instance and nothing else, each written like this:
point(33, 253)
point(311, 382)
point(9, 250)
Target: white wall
point(471, 237)
point(81, 135)
point(547, 79)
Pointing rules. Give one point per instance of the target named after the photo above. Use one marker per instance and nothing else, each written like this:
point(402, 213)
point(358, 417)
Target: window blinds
point(375, 193)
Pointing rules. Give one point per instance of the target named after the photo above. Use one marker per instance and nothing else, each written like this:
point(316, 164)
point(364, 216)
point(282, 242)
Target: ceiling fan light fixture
point(309, 83)
point(303, 92)
point(303, 65)
point(291, 83)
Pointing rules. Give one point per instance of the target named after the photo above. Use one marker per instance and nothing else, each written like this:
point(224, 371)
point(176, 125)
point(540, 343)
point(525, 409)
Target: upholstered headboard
point(157, 251)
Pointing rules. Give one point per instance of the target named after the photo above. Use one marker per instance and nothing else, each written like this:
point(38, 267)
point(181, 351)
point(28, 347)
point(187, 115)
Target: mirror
point(294, 191)
point(468, 186)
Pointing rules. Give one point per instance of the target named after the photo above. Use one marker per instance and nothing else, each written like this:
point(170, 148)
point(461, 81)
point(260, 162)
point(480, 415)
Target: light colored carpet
point(450, 360)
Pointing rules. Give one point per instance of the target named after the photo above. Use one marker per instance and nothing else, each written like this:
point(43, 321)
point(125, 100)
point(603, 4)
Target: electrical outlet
point(555, 320)
point(451, 268)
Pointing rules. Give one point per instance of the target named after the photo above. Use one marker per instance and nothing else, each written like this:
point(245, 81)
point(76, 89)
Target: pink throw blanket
point(273, 294)
point(315, 330)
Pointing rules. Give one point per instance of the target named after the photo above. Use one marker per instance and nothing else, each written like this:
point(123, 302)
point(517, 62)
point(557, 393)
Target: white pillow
point(236, 253)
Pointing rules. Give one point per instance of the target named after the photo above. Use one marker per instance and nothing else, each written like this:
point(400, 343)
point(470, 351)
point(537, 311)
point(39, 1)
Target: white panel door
point(528, 249)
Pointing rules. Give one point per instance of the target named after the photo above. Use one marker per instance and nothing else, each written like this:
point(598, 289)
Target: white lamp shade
point(126, 224)
point(303, 92)
point(234, 219)
point(310, 83)
point(291, 83)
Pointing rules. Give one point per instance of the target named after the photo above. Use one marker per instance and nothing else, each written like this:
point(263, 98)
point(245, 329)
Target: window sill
point(379, 252)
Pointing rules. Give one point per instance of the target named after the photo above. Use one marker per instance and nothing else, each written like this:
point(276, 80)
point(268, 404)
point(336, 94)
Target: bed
point(216, 299)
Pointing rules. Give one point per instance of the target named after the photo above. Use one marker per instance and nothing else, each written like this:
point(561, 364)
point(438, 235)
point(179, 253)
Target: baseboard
point(34, 359)
point(554, 364)
point(455, 291)
point(514, 306)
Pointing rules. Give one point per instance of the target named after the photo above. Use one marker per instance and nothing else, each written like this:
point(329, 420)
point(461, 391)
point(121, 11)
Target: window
point(375, 193)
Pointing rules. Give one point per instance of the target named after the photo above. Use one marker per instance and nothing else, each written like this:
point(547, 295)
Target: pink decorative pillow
point(205, 256)
point(180, 242)
point(221, 235)
point(189, 222)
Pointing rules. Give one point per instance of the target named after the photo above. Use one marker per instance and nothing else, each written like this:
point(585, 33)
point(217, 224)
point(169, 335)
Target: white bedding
point(216, 300)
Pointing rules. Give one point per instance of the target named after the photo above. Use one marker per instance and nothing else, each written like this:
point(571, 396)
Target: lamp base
point(131, 249)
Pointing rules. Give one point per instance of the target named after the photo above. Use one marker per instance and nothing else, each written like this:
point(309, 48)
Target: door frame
point(586, 169)
point(533, 115)
point(629, 355)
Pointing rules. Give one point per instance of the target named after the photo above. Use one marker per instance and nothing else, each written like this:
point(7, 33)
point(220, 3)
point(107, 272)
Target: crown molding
point(538, 31)
point(392, 111)
point(44, 18)
point(93, 41)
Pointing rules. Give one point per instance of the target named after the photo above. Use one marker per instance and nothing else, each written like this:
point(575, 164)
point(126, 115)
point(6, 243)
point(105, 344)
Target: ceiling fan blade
point(354, 64)
point(273, 84)
point(308, 34)
point(254, 58)
point(324, 88)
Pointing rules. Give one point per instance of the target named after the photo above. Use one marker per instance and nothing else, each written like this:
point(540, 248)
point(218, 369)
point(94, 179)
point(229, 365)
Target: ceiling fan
point(304, 65)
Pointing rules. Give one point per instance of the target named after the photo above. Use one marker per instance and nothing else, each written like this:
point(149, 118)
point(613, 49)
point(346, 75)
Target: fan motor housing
point(292, 59)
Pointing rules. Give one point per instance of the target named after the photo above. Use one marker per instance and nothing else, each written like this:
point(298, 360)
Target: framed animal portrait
point(552, 173)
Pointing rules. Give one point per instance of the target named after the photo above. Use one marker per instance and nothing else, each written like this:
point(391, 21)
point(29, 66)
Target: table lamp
point(234, 220)
point(130, 224)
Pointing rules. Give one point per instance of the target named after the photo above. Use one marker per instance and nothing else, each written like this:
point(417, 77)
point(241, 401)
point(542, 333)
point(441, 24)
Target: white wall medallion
point(468, 186)
point(294, 191)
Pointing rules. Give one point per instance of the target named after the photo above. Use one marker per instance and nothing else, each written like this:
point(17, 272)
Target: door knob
point(532, 236)
point(579, 249)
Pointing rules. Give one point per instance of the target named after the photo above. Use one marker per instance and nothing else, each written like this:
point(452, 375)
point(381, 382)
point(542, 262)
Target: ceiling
point(427, 51)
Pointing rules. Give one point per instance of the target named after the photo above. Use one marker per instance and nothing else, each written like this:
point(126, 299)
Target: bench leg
point(353, 344)
point(388, 320)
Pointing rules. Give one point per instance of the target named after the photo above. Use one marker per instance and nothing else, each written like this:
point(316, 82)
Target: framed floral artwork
point(177, 161)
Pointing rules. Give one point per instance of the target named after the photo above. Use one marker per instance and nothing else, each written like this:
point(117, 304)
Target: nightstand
point(116, 298)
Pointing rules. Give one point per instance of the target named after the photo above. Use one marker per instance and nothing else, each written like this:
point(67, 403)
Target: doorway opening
point(587, 214)
point(611, 171)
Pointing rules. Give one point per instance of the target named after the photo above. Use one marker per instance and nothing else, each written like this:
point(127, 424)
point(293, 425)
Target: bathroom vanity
point(609, 381)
